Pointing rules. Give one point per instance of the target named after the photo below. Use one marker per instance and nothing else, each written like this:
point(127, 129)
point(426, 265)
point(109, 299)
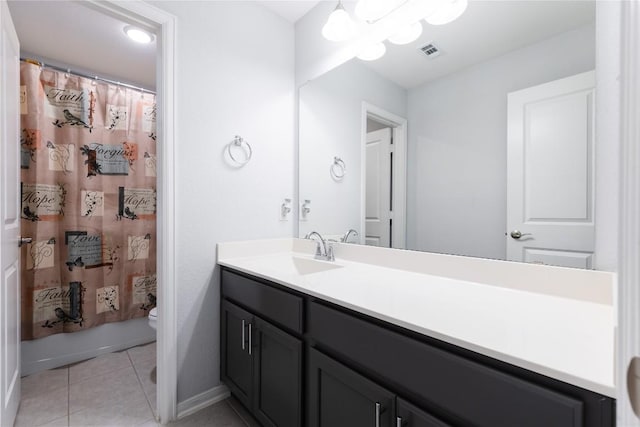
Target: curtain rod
point(87, 76)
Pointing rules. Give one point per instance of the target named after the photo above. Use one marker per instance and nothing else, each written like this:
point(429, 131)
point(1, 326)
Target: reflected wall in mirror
point(453, 110)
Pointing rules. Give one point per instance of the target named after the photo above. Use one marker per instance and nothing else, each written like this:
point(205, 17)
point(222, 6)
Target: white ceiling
point(486, 30)
point(95, 42)
point(73, 34)
point(290, 10)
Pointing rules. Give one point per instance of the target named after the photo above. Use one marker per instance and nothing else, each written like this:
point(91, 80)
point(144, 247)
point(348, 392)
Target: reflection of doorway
point(379, 197)
point(383, 178)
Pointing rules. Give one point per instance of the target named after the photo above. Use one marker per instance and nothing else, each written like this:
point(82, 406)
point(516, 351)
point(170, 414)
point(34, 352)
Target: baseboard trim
point(202, 400)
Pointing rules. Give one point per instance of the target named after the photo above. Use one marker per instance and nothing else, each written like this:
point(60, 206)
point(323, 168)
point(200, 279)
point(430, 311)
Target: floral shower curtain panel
point(88, 201)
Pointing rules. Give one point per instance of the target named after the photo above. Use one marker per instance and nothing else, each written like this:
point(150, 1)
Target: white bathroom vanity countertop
point(558, 322)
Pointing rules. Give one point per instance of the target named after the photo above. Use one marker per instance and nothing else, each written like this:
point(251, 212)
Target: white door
point(550, 173)
point(9, 220)
point(378, 188)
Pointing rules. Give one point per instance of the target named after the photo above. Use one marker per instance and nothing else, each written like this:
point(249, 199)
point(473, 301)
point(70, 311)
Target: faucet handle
point(318, 250)
point(330, 255)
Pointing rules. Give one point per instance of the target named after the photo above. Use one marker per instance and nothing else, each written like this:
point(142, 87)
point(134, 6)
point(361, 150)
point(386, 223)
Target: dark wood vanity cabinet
point(337, 396)
point(360, 371)
point(262, 366)
point(237, 363)
point(408, 415)
point(277, 377)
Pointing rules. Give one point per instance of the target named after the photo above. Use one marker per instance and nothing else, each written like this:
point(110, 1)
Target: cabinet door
point(411, 416)
point(277, 400)
point(339, 397)
point(236, 360)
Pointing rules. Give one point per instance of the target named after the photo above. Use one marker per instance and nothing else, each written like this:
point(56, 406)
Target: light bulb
point(138, 35)
point(372, 10)
point(372, 51)
point(450, 11)
point(339, 26)
point(407, 34)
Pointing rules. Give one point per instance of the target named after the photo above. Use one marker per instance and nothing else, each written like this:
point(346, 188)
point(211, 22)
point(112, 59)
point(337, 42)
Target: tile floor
point(115, 390)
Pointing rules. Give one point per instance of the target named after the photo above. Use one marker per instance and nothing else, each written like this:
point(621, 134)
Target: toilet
point(153, 317)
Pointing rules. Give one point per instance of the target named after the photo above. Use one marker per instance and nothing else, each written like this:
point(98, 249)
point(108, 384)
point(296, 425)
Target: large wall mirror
point(485, 148)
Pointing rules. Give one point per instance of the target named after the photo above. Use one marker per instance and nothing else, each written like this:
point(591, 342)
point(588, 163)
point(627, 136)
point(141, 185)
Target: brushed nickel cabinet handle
point(243, 333)
point(249, 339)
point(377, 414)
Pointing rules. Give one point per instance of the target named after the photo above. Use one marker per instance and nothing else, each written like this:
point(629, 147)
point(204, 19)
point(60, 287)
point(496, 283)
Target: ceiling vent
point(430, 50)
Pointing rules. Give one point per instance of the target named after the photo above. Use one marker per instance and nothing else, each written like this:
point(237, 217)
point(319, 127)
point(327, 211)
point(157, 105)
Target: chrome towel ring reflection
point(242, 148)
point(338, 169)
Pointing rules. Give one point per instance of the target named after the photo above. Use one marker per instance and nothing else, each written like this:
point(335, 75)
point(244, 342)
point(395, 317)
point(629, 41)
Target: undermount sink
point(288, 264)
point(309, 266)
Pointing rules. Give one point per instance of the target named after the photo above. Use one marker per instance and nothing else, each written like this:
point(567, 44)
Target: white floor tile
point(143, 353)
point(110, 389)
point(114, 390)
point(59, 422)
point(43, 408)
point(149, 423)
point(146, 372)
point(98, 366)
point(45, 382)
point(124, 412)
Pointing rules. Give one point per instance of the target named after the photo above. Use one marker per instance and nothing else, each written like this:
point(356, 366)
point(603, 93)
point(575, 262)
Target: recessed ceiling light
point(138, 35)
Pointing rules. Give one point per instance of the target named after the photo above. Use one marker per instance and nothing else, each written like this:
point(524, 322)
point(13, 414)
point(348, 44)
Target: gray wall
point(235, 76)
point(456, 187)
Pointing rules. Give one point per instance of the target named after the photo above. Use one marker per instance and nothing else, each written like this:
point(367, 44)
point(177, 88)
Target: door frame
point(163, 24)
point(399, 174)
point(628, 300)
point(10, 370)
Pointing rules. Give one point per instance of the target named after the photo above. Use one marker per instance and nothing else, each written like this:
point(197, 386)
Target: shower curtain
point(88, 172)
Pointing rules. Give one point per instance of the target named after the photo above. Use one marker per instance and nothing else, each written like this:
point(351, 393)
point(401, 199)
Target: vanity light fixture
point(449, 12)
point(372, 51)
point(407, 34)
point(395, 20)
point(373, 10)
point(138, 35)
point(339, 26)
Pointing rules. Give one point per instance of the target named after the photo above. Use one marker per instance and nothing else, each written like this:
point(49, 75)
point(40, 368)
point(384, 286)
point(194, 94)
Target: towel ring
point(238, 141)
point(338, 169)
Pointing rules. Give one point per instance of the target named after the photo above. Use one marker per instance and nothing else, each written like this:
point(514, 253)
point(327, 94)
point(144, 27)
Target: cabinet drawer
point(454, 386)
point(273, 304)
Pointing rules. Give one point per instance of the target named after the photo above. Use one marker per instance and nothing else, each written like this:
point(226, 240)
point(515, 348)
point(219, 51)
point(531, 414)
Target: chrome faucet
point(345, 238)
point(324, 250)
